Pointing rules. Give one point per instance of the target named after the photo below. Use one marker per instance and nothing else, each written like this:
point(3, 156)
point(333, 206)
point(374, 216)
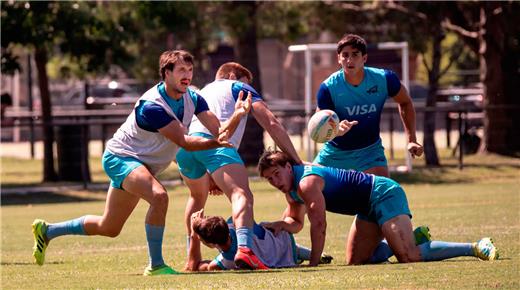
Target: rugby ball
point(323, 126)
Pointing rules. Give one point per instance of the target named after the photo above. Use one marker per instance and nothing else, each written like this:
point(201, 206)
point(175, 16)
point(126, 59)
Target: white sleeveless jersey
point(152, 148)
point(219, 97)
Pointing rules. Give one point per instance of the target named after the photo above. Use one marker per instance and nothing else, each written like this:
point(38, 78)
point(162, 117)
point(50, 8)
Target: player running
point(379, 203)
point(141, 148)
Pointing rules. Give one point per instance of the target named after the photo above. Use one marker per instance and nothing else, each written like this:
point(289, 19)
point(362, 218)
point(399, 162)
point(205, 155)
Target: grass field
point(462, 206)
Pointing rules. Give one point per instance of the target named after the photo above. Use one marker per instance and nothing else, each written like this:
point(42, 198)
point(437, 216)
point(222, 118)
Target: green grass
point(461, 206)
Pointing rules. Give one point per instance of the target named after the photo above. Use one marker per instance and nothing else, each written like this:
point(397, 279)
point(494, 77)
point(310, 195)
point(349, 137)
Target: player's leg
point(398, 232)
point(383, 251)
point(363, 239)
point(118, 207)
point(232, 179)
point(195, 176)
point(143, 184)
point(198, 195)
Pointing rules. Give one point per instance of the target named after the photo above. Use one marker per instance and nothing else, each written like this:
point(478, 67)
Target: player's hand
point(191, 266)
point(197, 215)
point(242, 107)
point(274, 227)
point(223, 138)
point(213, 187)
point(345, 126)
point(415, 149)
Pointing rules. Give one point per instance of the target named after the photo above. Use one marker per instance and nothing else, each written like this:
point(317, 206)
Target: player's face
point(180, 77)
point(280, 177)
point(351, 59)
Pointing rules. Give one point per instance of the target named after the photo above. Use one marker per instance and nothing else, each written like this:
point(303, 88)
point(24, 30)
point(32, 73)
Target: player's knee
point(351, 261)
point(408, 257)
point(110, 231)
point(160, 199)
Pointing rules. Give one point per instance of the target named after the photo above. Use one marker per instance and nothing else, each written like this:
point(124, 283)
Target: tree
point(50, 28)
point(492, 29)
point(245, 22)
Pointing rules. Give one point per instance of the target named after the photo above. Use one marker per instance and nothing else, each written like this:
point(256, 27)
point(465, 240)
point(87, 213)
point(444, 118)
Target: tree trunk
point(499, 73)
point(430, 149)
point(246, 52)
point(49, 173)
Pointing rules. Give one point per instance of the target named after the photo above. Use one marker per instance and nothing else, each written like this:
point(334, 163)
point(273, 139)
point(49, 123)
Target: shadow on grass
point(451, 174)
point(43, 198)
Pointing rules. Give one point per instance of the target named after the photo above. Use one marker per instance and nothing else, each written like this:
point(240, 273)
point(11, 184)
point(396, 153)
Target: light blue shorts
point(387, 201)
point(118, 168)
point(359, 159)
point(194, 164)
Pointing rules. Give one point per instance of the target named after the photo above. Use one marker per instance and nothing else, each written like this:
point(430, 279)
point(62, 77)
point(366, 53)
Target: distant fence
point(463, 113)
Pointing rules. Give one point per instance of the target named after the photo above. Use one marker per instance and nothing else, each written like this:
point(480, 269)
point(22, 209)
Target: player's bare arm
point(407, 113)
point(292, 219)
point(175, 131)
point(310, 188)
point(270, 123)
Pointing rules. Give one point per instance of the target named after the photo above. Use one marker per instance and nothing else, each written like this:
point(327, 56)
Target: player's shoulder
point(377, 72)
point(334, 78)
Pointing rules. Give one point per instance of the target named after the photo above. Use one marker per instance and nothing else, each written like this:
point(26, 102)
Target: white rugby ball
point(323, 126)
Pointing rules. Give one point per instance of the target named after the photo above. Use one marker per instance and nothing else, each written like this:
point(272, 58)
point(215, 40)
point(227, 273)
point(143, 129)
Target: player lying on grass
point(378, 202)
point(275, 251)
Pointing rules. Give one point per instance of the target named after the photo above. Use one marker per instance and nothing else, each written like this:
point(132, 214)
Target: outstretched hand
point(242, 106)
point(345, 126)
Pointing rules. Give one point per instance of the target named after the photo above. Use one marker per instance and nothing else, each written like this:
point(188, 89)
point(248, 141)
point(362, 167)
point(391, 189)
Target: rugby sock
point(70, 227)
point(381, 253)
point(303, 253)
point(245, 237)
point(438, 250)
point(154, 237)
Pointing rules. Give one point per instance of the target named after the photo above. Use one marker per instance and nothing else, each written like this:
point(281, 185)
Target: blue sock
point(438, 250)
point(154, 236)
point(303, 253)
point(381, 253)
point(70, 227)
point(245, 237)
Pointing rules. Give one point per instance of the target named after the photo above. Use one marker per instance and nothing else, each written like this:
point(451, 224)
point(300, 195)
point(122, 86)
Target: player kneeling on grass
point(275, 251)
point(379, 204)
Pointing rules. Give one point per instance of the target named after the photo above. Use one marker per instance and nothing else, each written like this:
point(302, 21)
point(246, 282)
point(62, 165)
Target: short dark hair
point(239, 70)
point(271, 158)
point(212, 229)
point(169, 58)
point(353, 40)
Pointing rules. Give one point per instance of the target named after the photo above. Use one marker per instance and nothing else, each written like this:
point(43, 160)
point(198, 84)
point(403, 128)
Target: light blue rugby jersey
point(345, 191)
point(151, 117)
point(363, 103)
